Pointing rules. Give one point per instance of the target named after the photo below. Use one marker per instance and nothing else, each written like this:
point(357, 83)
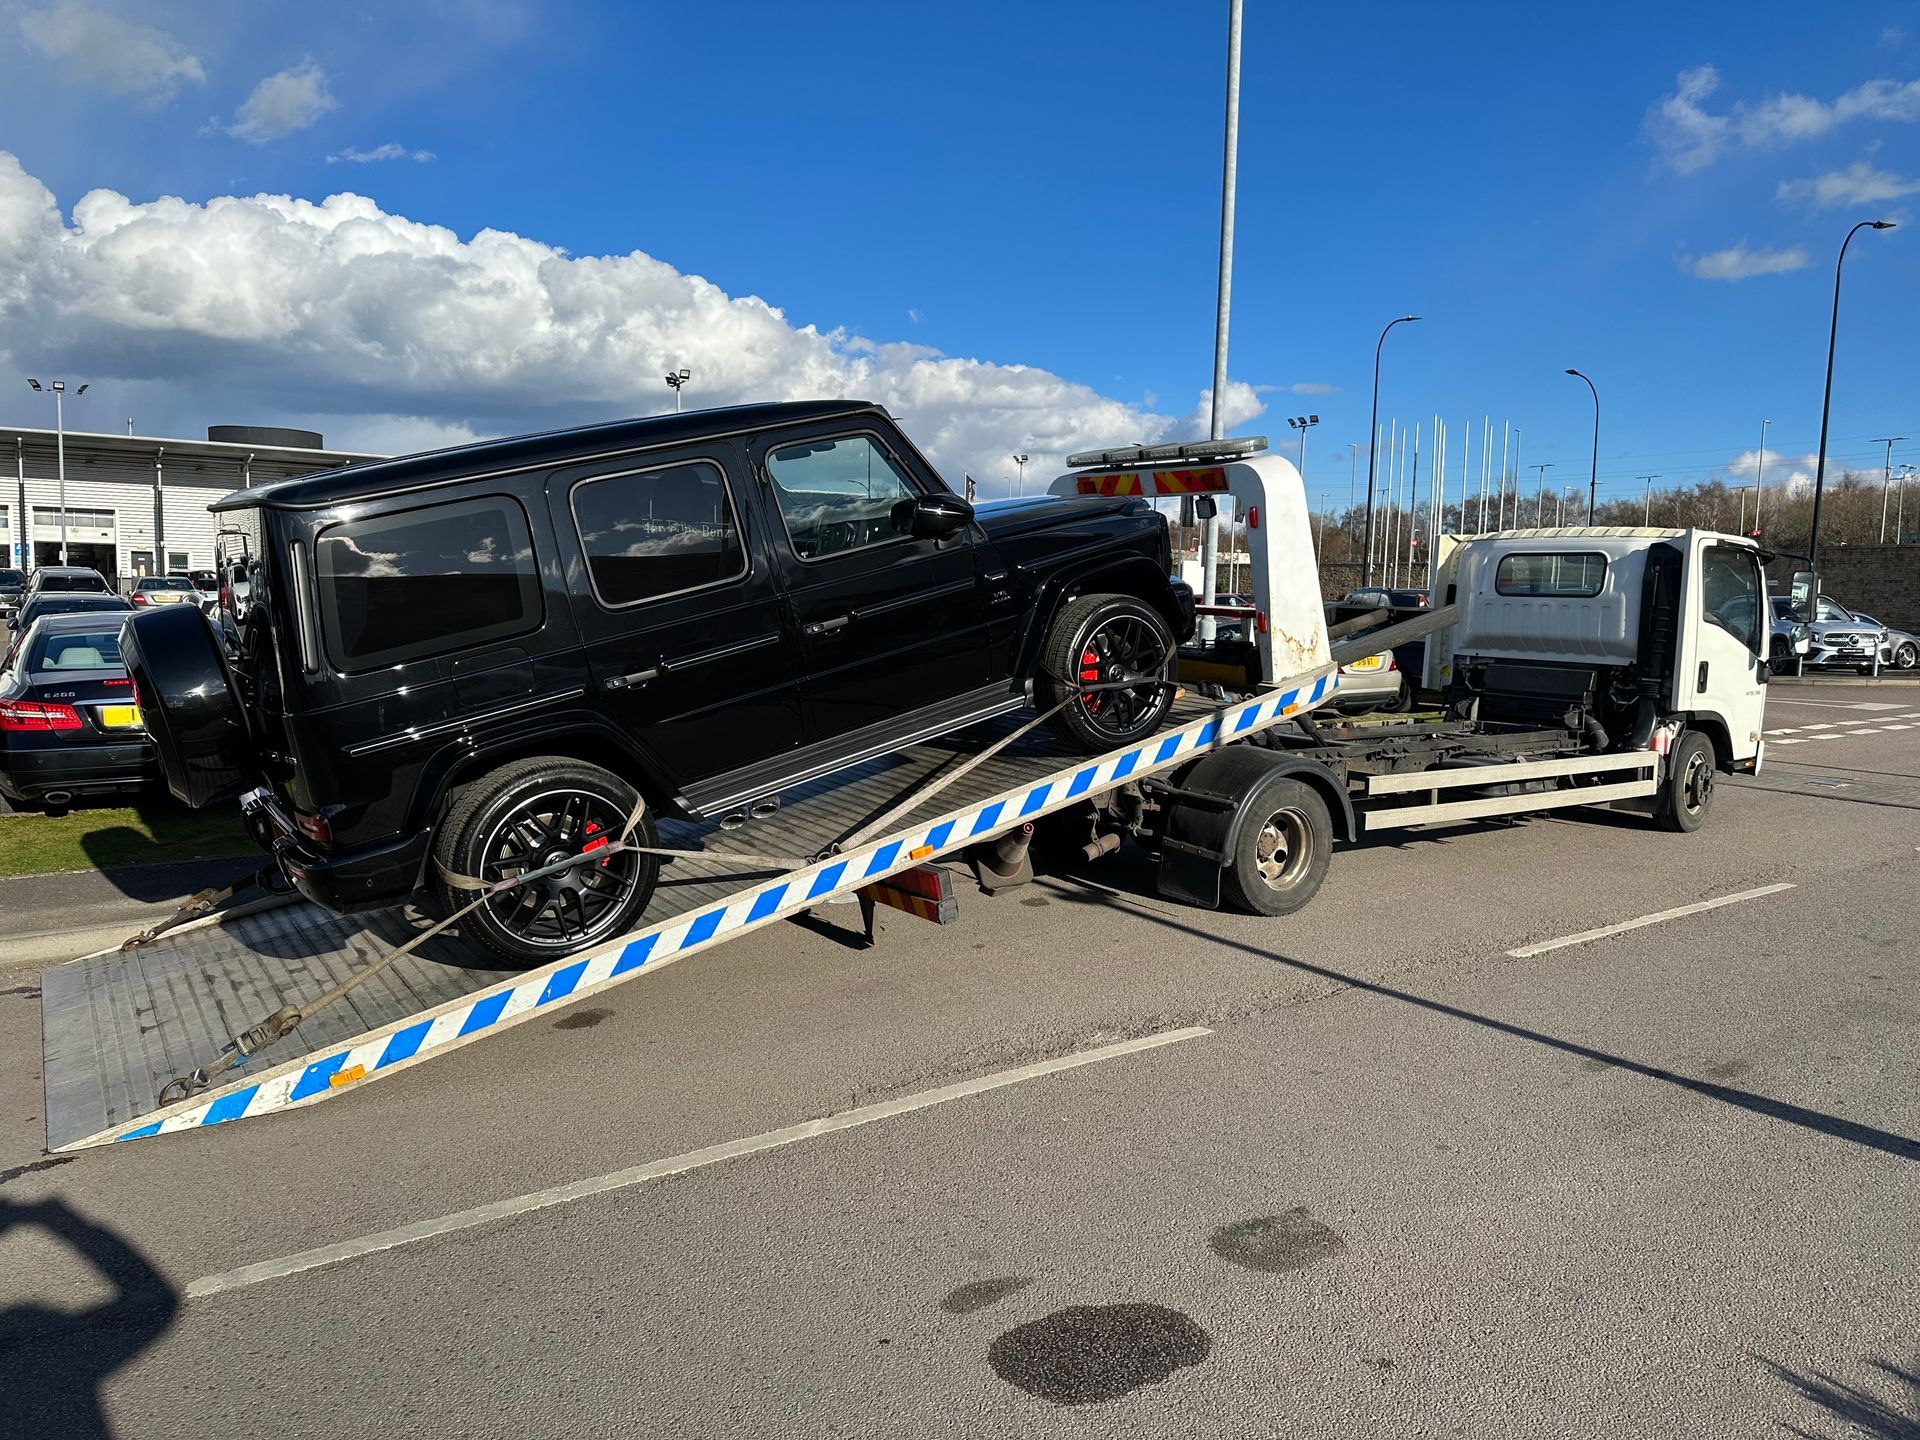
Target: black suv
point(476, 661)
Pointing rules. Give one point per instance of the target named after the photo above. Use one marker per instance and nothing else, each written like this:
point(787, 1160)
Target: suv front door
point(689, 647)
point(890, 624)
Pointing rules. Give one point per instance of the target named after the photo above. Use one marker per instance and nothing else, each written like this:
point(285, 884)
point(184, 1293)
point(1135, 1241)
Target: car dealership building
point(137, 504)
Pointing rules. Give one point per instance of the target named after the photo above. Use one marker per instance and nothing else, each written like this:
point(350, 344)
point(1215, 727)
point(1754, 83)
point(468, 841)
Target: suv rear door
point(689, 647)
point(890, 623)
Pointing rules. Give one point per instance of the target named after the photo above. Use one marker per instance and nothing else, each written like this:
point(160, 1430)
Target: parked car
point(164, 590)
point(1899, 649)
point(13, 584)
point(1375, 683)
point(473, 663)
point(65, 579)
point(1408, 661)
point(60, 602)
point(70, 726)
point(1837, 637)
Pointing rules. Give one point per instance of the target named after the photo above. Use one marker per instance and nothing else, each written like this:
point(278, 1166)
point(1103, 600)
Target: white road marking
point(1784, 730)
point(209, 1285)
point(1790, 742)
point(1528, 951)
point(1837, 704)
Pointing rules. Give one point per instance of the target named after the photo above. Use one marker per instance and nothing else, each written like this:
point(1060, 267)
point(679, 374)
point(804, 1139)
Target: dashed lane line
point(1528, 951)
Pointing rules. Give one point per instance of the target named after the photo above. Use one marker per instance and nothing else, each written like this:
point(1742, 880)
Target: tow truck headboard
point(1270, 502)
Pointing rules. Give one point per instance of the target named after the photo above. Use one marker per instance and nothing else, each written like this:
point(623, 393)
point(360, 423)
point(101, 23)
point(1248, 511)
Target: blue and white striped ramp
point(394, 1047)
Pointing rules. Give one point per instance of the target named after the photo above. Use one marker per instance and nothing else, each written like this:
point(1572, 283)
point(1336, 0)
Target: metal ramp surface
point(117, 1027)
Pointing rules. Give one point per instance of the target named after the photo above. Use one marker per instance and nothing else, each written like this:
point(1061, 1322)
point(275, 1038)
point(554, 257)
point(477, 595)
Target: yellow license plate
point(119, 717)
point(1372, 662)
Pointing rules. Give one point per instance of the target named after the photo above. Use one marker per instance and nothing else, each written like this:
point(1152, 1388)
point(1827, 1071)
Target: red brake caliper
point(1090, 675)
point(593, 828)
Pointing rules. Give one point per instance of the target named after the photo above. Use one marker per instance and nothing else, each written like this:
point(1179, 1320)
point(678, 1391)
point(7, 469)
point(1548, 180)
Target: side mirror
point(932, 517)
point(1806, 597)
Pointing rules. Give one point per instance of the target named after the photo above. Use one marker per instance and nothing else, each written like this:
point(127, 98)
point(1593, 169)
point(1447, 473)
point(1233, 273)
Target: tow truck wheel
point(531, 815)
point(1106, 640)
point(1280, 855)
point(1686, 794)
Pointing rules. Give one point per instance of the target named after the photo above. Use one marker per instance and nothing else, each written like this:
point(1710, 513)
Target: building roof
point(523, 452)
point(145, 445)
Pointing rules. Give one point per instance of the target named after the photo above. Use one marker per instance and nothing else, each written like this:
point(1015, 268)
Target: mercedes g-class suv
point(473, 663)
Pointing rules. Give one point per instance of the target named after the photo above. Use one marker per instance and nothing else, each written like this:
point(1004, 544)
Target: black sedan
point(70, 725)
point(63, 602)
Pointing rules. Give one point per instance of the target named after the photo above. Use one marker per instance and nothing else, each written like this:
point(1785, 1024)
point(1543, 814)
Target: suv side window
point(424, 582)
point(837, 495)
point(658, 532)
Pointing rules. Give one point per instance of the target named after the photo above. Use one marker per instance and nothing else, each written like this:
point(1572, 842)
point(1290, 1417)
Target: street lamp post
point(1021, 461)
point(1542, 483)
point(1646, 514)
point(1826, 403)
point(1304, 423)
point(1374, 445)
point(1900, 505)
point(1759, 474)
point(1223, 306)
point(59, 388)
point(1886, 485)
point(676, 380)
point(1593, 477)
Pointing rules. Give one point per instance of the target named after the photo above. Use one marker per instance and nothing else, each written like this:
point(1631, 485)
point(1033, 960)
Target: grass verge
point(96, 839)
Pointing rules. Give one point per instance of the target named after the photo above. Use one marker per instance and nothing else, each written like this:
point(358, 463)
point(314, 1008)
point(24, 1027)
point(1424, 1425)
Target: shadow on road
point(1861, 1410)
point(54, 1362)
point(1088, 892)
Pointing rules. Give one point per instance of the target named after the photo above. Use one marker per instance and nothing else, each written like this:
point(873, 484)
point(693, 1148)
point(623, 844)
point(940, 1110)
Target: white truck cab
point(1640, 630)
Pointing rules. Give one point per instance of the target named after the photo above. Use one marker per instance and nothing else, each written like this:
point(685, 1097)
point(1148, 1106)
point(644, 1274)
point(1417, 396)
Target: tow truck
point(1621, 668)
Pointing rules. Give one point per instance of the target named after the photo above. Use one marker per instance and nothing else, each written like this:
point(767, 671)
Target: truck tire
point(1281, 851)
point(1098, 638)
point(527, 815)
point(1686, 791)
point(190, 704)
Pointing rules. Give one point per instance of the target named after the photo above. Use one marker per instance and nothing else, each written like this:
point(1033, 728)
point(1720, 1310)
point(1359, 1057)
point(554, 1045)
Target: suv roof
point(68, 570)
point(519, 452)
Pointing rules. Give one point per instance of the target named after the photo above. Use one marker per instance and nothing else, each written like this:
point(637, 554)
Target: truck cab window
point(837, 495)
point(1730, 595)
point(658, 532)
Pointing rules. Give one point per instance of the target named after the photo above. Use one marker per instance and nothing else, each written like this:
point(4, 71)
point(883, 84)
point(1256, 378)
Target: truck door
point(889, 623)
point(1725, 674)
point(690, 650)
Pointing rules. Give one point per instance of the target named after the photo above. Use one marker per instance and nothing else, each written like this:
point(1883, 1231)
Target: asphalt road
point(1404, 1183)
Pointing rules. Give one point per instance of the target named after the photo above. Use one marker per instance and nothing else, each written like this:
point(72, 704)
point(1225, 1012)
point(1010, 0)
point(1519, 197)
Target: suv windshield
point(12, 579)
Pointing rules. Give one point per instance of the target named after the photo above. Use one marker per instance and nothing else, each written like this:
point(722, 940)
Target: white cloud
point(914, 316)
point(1689, 137)
point(388, 151)
point(286, 101)
point(1737, 262)
point(1312, 387)
point(1794, 472)
point(295, 308)
point(1858, 184)
point(113, 54)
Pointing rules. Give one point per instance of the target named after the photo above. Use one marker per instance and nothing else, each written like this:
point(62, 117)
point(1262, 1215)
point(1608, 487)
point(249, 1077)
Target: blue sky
point(1032, 186)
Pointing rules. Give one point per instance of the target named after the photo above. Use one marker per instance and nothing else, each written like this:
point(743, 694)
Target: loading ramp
point(117, 1027)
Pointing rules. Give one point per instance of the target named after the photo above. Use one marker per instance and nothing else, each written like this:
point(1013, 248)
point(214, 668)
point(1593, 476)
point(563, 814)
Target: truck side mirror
point(1803, 606)
point(931, 517)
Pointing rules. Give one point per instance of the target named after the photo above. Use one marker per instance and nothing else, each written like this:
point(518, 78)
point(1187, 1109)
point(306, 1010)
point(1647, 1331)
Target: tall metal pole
point(60, 450)
point(1543, 467)
point(1353, 479)
point(1500, 496)
point(1646, 515)
point(1517, 468)
point(1759, 472)
point(1826, 403)
point(1223, 306)
point(1372, 453)
point(1886, 485)
point(1593, 477)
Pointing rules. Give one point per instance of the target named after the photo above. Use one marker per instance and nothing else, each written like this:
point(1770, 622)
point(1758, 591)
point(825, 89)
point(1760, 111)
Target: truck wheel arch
point(1232, 774)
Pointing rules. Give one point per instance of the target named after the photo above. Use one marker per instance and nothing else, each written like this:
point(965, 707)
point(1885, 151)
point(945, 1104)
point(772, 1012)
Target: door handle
point(1703, 677)
point(827, 627)
point(623, 682)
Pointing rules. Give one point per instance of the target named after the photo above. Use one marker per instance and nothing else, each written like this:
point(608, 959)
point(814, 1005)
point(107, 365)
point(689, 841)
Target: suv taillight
point(314, 827)
point(37, 715)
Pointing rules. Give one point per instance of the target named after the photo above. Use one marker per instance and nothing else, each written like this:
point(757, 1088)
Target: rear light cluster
point(315, 827)
point(37, 715)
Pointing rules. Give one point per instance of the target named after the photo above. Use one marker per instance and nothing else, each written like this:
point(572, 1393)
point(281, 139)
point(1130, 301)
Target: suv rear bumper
point(371, 878)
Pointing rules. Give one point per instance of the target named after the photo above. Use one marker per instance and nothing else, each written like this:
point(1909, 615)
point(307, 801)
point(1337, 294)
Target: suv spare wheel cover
point(190, 704)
